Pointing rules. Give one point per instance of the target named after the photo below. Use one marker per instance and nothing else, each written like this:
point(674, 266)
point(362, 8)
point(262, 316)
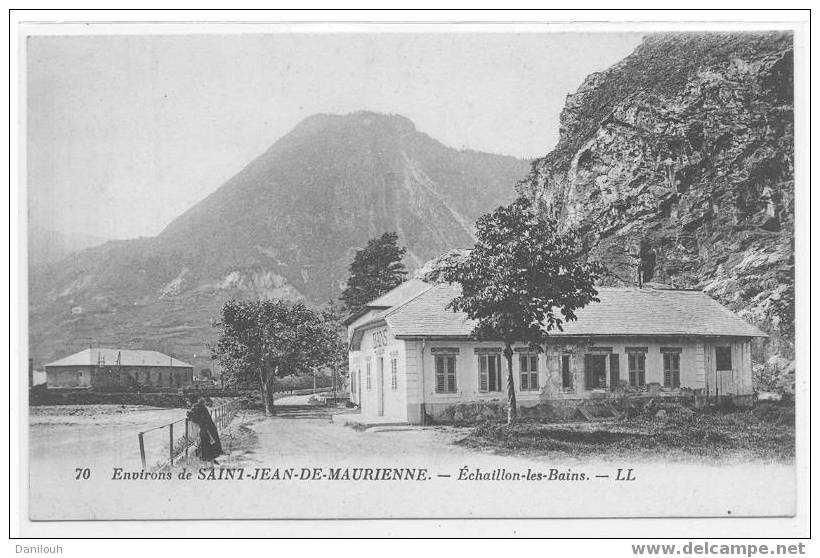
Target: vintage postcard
point(412, 271)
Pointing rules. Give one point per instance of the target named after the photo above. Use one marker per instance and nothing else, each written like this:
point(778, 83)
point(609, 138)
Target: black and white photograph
point(405, 271)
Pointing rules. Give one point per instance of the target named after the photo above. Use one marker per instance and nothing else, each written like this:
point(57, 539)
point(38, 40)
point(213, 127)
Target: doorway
point(595, 371)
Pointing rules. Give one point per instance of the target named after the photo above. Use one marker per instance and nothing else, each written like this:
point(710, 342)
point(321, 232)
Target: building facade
point(114, 369)
point(411, 359)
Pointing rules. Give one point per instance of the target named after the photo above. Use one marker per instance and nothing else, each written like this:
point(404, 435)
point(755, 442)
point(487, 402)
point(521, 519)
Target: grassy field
point(765, 432)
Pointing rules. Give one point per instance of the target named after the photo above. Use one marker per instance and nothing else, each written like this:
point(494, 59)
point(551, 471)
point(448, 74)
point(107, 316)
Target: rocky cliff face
point(678, 165)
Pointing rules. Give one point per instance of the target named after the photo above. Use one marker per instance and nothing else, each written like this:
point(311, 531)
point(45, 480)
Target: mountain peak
point(286, 226)
point(395, 123)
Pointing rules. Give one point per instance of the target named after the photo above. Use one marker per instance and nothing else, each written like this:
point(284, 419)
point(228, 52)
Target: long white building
point(412, 360)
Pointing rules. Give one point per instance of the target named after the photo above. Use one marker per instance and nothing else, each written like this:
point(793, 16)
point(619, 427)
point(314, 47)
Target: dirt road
point(308, 433)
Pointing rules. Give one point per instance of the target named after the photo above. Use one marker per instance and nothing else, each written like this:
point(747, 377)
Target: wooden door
point(725, 382)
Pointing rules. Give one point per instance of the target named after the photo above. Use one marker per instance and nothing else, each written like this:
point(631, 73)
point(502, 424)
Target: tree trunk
point(512, 407)
point(267, 397)
point(269, 401)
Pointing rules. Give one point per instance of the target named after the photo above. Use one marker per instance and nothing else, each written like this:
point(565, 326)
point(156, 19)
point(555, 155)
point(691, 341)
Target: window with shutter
point(451, 374)
point(494, 371)
point(368, 376)
point(483, 379)
point(566, 374)
point(445, 373)
point(524, 375)
point(528, 372)
point(614, 371)
point(637, 369)
point(489, 372)
point(534, 372)
point(671, 370)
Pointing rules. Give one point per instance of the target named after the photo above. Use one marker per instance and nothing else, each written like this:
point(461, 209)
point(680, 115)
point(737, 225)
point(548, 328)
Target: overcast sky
point(127, 132)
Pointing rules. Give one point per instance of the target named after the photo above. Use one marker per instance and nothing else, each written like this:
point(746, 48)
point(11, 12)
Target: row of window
point(146, 376)
point(169, 378)
point(490, 376)
point(394, 376)
point(595, 369)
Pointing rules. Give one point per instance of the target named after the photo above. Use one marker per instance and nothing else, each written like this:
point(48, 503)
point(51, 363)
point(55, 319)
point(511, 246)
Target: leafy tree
point(375, 270)
point(264, 339)
point(522, 279)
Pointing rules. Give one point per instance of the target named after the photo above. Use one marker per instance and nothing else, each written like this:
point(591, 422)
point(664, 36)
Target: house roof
point(620, 312)
point(400, 294)
point(391, 298)
point(126, 357)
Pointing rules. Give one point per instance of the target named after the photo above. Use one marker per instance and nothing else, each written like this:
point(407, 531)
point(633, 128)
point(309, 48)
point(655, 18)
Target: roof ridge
point(135, 357)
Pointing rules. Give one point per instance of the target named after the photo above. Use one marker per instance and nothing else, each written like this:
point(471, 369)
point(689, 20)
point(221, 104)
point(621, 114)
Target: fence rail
point(163, 445)
point(306, 391)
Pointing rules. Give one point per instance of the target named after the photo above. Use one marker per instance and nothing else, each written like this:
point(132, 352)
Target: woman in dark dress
point(209, 445)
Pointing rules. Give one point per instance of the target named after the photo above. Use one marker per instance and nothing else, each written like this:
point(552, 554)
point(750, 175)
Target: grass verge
point(765, 432)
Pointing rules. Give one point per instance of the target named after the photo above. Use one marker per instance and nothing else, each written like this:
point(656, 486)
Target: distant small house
point(411, 358)
point(38, 378)
point(110, 369)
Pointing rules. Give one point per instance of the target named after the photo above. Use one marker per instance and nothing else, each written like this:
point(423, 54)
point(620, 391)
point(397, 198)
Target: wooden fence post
point(171, 442)
point(142, 450)
point(187, 441)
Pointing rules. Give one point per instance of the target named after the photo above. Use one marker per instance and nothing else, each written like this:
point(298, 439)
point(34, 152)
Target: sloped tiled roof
point(621, 312)
point(658, 312)
point(127, 357)
point(390, 299)
point(400, 294)
point(427, 314)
